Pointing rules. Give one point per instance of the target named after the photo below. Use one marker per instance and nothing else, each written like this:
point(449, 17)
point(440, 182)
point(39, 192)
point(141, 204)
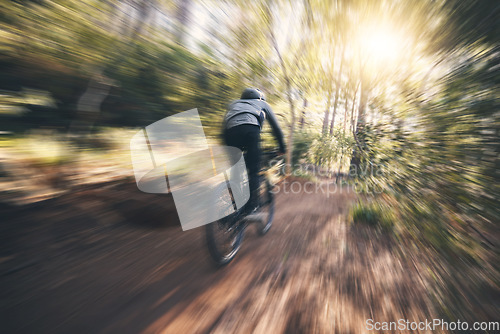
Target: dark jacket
point(253, 112)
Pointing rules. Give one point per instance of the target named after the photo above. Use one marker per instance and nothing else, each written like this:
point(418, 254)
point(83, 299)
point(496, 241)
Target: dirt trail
point(110, 259)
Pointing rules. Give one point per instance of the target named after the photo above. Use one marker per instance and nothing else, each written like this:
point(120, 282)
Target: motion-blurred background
point(399, 99)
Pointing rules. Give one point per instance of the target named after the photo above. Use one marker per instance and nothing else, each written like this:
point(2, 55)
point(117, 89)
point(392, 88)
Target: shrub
point(372, 214)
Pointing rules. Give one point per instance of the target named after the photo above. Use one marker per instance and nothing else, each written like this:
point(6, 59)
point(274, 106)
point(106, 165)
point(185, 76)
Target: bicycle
point(225, 236)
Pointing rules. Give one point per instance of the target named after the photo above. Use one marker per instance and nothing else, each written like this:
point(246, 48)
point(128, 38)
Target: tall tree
point(327, 110)
point(338, 83)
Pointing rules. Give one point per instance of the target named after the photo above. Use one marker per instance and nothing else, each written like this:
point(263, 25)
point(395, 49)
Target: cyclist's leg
point(236, 137)
point(253, 164)
point(247, 138)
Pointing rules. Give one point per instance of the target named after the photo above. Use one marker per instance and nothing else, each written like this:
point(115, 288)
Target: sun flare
point(380, 44)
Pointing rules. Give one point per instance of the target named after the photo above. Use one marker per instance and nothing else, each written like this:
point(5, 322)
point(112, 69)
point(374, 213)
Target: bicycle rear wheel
point(266, 207)
point(224, 239)
point(225, 235)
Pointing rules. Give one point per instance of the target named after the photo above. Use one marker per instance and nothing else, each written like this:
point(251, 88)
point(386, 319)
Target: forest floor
point(108, 258)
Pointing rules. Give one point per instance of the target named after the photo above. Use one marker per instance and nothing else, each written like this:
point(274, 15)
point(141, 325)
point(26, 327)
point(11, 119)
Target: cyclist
point(242, 126)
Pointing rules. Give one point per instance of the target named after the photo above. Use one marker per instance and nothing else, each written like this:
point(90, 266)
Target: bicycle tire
point(267, 207)
point(220, 254)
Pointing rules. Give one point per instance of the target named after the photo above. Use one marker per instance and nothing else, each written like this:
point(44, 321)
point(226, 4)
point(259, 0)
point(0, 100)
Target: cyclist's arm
point(278, 134)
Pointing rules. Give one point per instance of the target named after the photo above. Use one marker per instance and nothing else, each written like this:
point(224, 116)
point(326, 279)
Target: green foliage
point(326, 150)
point(301, 145)
point(438, 157)
point(372, 214)
point(60, 48)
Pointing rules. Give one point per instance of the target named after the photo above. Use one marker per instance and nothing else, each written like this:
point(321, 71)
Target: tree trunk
point(335, 103)
point(303, 116)
point(343, 144)
point(327, 112)
point(289, 149)
point(360, 127)
point(337, 91)
point(345, 114)
point(352, 109)
point(362, 108)
point(182, 17)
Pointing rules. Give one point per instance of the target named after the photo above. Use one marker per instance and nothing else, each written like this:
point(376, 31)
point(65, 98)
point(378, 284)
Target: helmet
point(252, 93)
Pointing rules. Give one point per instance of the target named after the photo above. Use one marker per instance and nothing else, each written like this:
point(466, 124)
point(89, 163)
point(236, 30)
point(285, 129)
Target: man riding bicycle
point(242, 126)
